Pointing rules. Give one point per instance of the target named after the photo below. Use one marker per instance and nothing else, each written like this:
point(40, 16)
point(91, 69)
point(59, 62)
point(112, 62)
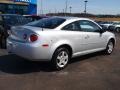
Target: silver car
point(58, 39)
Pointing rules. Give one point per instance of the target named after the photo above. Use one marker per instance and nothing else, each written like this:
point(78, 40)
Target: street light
point(85, 11)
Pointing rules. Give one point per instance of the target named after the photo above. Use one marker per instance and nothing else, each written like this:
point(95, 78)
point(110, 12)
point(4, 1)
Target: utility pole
point(49, 11)
point(85, 11)
point(41, 7)
point(70, 9)
point(55, 11)
point(63, 10)
point(66, 6)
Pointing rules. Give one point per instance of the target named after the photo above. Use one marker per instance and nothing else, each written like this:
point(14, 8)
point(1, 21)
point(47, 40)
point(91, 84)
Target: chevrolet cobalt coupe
point(58, 39)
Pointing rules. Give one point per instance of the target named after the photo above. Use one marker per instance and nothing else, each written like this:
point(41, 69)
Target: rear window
point(49, 23)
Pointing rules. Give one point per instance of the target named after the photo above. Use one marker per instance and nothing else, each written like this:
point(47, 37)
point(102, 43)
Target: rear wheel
point(109, 48)
point(3, 43)
point(60, 58)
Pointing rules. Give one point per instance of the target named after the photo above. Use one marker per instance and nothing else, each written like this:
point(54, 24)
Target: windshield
point(15, 20)
point(49, 23)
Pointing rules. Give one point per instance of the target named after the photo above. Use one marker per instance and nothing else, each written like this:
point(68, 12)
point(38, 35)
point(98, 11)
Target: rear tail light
point(33, 37)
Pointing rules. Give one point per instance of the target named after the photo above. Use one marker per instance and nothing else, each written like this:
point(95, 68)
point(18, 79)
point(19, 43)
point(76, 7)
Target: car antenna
point(42, 29)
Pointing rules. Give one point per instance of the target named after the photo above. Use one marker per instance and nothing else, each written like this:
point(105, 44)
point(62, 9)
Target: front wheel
point(109, 48)
point(61, 58)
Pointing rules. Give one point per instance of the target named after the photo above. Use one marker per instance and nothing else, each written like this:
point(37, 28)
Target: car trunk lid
point(22, 33)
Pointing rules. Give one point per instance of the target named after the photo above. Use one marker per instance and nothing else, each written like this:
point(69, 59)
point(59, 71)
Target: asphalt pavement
point(90, 72)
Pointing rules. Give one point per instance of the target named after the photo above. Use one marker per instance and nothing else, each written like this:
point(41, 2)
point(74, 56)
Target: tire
point(3, 43)
point(60, 58)
point(118, 30)
point(109, 48)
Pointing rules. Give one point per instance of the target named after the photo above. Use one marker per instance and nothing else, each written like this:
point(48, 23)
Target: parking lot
point(91, 72)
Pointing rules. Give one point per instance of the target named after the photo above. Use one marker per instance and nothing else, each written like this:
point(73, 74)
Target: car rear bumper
point(33, 52)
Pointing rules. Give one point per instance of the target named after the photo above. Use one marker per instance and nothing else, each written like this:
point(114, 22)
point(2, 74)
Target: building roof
point(12, 2)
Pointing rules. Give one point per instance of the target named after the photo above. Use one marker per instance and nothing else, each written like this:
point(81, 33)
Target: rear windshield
point(49, 23)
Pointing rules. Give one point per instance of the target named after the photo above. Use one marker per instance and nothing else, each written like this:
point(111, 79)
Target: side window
point(72, 27)
point(88, 26)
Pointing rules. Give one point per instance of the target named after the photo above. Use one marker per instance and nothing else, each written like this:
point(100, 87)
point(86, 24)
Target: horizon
point(93, 6)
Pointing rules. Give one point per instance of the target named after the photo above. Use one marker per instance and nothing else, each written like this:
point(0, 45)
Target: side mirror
point(104, 29)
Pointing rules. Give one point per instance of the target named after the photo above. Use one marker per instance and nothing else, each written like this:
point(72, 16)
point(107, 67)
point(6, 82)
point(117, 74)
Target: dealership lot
point(91, 72)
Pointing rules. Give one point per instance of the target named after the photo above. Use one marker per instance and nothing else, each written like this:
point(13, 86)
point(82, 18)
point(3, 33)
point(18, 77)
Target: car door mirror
point(104, 27)
point(103, 30)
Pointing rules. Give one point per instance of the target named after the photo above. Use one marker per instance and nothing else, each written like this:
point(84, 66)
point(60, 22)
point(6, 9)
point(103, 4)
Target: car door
point(75, 36)
point(92, 38)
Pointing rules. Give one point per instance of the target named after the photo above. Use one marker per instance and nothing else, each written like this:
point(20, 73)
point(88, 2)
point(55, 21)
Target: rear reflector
point(45, 45)
point(33, 37)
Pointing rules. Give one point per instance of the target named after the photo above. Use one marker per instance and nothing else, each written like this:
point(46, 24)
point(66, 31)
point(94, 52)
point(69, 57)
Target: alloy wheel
point(62, 59)
point(110, 47)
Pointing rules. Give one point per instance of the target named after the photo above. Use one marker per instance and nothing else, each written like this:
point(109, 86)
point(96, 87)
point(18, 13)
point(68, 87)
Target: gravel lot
point(90, 72)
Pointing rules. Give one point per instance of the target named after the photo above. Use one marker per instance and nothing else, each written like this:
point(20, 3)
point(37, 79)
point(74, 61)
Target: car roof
point(72, 18)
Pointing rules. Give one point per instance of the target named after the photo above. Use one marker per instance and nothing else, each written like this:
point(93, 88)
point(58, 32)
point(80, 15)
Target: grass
point(106, 19)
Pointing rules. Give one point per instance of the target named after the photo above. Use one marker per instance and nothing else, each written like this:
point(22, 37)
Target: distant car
point(35, 17)
point(115, 27)
point(6, 22)
point(57, 39)
point(105, 24)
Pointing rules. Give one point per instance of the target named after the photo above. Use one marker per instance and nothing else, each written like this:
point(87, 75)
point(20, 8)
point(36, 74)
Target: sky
point(93, 6)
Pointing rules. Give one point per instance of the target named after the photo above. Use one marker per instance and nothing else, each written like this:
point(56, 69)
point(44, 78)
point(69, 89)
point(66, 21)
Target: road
point(91, 72)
